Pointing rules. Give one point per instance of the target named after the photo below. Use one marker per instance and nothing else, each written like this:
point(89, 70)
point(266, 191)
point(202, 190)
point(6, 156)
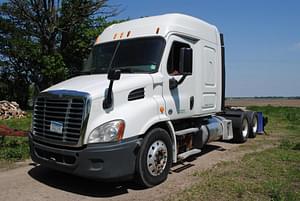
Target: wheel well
point(162, 125)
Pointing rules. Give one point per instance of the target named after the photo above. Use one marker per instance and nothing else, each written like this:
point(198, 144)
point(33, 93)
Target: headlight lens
point(108, 132)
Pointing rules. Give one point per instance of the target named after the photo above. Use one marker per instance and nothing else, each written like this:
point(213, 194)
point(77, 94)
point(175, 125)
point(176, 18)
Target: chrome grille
point(69, 111)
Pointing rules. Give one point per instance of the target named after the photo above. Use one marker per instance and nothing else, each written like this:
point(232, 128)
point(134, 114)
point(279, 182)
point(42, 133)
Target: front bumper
point(106, 161)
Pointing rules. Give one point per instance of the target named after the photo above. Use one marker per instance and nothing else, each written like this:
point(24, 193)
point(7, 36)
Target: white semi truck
point(151, 94)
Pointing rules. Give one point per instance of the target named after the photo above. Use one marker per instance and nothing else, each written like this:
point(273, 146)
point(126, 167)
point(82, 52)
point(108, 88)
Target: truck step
point(186, 131)
point(184, 155)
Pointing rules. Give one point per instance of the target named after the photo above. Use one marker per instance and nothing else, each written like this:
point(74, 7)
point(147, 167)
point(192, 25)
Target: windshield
point(140, 55)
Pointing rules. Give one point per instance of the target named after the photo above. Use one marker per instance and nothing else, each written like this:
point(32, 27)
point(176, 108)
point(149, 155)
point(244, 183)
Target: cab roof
point(161, 25)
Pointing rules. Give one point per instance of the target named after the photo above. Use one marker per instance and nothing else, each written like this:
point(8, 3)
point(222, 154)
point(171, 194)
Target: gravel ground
point(33, 182)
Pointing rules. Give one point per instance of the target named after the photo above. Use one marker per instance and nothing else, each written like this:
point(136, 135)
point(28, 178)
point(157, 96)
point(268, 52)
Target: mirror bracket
point(113, 74)
point(173, 83)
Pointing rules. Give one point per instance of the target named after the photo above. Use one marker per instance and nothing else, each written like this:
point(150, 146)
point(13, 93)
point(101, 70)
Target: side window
point(173, 60)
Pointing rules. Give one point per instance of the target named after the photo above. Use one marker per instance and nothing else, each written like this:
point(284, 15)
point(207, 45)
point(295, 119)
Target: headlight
point(108, 132)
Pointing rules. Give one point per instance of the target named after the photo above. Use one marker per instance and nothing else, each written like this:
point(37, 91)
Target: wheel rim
point(245, 128)
point(157, 158)
point(254, 123)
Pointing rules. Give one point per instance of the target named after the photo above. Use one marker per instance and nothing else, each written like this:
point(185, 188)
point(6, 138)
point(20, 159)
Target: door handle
point(192, 102)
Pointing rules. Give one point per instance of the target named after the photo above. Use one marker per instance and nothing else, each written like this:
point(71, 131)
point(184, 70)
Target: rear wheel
point(241, 129)
point(154, 158)
point(253, 123)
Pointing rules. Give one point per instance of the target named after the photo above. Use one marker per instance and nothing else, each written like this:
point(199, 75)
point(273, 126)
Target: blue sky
point(262, 39)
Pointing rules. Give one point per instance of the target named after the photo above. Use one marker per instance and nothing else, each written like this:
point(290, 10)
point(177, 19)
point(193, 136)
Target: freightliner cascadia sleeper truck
point(150, 94)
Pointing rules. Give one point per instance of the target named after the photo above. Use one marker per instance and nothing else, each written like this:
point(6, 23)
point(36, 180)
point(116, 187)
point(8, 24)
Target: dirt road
point(37, 183)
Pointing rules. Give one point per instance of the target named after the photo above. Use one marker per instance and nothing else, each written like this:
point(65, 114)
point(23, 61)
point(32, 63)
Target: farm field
point(244, 102)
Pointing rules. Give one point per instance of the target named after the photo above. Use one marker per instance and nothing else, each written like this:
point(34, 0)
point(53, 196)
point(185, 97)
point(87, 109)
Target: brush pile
point(10, 110)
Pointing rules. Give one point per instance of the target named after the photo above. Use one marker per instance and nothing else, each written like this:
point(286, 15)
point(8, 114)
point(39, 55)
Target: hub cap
point(157, 158)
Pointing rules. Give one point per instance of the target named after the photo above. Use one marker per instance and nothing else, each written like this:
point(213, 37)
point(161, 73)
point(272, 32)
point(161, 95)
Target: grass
point(272, 174)
point(14, 149)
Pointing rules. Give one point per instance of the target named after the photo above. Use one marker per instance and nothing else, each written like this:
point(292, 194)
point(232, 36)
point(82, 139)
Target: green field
point(14, 148)
point(272, 174)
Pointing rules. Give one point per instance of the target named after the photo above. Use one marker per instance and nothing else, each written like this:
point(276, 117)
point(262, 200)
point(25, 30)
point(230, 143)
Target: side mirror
point(186, 61)
point(114, 74)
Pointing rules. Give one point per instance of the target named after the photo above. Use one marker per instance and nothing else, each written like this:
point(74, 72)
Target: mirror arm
point(182, 79)
point(173, 83)
point(107, 102)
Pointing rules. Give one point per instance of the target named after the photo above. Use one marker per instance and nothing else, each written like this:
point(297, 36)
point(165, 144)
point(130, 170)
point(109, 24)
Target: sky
point(262, 39)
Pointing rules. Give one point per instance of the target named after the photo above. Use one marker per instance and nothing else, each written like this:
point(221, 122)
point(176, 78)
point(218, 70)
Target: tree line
point(43, 42)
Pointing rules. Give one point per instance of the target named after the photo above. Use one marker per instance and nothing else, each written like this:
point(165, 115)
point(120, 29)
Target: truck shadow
point(87, 187)
point(188, 162)
point(78, 185)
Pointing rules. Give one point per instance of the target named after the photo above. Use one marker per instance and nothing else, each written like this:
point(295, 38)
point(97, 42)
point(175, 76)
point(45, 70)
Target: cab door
point(180, 100)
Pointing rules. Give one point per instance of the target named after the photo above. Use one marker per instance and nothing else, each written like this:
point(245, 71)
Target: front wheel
point(155, 158)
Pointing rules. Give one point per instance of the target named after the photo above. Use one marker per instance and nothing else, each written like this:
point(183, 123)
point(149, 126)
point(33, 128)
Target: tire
point(253, 123)
point(156, 146)
point(241, 129)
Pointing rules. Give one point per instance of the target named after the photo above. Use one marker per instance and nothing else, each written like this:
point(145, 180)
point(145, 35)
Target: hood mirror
point(114, 74)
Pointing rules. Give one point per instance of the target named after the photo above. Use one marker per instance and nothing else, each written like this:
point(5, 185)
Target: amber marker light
point(157, 30)
point(115, 36)
point(121, 130)
point(161, 109)
point(98, 39)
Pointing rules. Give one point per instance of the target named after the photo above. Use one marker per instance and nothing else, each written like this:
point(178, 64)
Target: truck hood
point(96, 85)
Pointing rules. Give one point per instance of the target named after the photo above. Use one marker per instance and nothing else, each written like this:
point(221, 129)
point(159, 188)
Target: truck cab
point(151, 93)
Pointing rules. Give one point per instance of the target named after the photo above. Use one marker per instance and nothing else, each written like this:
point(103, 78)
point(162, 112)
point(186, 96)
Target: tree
point(45, 41)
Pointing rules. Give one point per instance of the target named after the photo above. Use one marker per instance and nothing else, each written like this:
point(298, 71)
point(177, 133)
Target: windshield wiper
point(90, 72)
point(125, 69)
point(83, 73)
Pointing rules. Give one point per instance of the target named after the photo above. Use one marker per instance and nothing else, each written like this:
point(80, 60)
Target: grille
point(67, 111)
